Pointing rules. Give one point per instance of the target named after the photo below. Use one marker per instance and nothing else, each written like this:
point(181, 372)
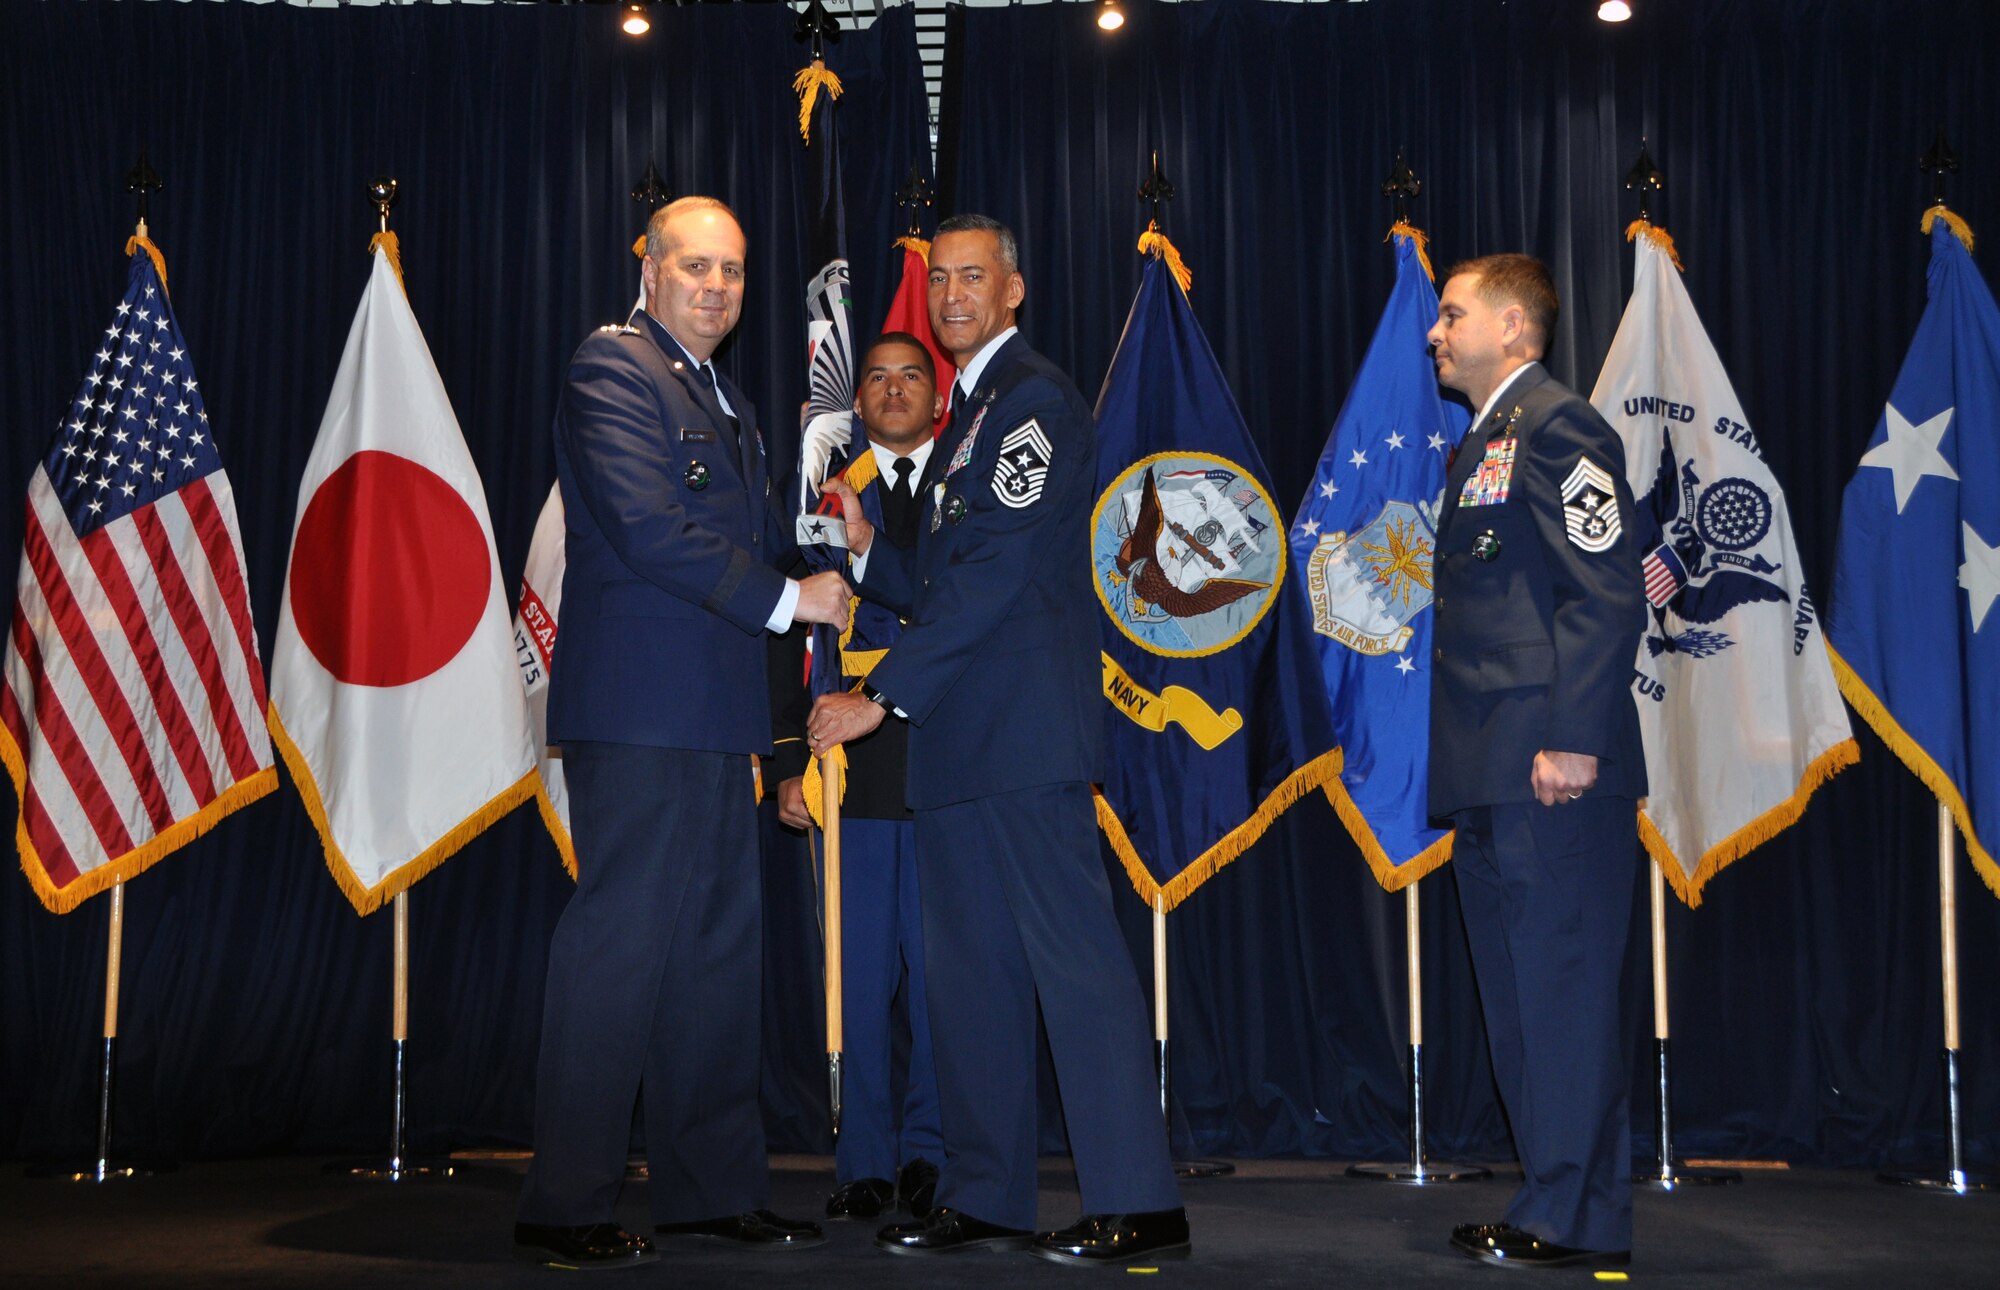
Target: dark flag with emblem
point(1362, 547)
point(1215, 720)
point(1737, 703)
point(1918, 566)
point(830, 437)
point(133, 714)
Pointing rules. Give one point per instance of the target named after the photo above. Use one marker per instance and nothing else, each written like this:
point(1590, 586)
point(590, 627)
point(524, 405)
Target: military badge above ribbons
point(1215, 722)
point(1364, 540)
point(1737, 703)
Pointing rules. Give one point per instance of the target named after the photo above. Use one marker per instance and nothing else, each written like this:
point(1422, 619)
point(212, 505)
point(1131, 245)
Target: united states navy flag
point(1362, 546)
point(1215, 721)
point(1918, 566)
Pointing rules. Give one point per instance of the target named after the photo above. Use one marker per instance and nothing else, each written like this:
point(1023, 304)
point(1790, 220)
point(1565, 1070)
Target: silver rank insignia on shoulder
point(1590, 507)
point(619, 329)
point(1023, 465)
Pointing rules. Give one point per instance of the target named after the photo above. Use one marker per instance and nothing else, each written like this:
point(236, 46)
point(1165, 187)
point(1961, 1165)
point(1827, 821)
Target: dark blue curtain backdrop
point(256, 1009)
point(1805, 990)
point(256, 1003)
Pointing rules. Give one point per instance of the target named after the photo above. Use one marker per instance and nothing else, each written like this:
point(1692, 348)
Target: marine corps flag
point(395, 695)
point(1215, 721)
point(1912, 621)
point(910, 311)
point(535, 618)
point(1737, 703)
point(1362, 548)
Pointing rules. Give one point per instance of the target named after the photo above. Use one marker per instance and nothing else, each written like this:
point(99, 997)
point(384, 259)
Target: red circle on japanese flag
point(390, 571)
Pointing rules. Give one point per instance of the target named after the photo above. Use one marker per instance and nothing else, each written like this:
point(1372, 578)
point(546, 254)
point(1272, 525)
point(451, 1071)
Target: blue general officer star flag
point(1916, 641)
point(1215, 721)
point(1362, 547)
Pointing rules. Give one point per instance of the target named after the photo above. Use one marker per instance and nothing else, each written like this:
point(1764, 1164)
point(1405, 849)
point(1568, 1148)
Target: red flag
point(910, 311)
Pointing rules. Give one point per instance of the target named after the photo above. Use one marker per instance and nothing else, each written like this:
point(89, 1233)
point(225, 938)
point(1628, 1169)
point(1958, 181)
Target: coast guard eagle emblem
point(1186, 554)
point(1367, 586)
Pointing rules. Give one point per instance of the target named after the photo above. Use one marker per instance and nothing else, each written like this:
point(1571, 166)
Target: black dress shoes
point(1118, 1238)
point(948, 1231)
point(758, 1230)
point(916, 1186)
point(592, 1247)
point(862, 1198)
point(1509, 1246)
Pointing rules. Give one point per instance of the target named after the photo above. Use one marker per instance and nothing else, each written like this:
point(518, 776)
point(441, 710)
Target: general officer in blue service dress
point(998, 673)
point(659, 701)
point(1536, 757)
point(879, 1156)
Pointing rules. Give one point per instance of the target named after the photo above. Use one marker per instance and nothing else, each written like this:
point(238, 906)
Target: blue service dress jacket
point(673, 546)
point(997, 666)
point(1540, 602)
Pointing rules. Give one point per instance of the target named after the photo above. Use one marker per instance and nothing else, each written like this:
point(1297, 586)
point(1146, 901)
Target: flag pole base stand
point(100, 1171)
point(636, 1171)
point(1203, 1169)
point(387, 1170)
point(1686, 1176)
point(1954, 1184)
point(1418, 1174)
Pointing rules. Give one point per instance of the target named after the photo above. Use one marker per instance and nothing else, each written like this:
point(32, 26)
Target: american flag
point(132, 717)
point(1665, 575)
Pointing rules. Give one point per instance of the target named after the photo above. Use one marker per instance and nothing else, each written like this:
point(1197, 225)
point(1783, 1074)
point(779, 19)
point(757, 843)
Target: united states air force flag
point(1215, 721)
point(1918, 569)
point(1362, 547)
point(1737, 703)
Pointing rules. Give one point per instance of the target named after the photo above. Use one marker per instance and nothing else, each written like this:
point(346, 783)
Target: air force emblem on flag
point(1368, 585)
point(1590, 507)
point(1023, 466)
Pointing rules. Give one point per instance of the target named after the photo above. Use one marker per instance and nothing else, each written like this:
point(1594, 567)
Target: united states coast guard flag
point(1362, 548)
point(1215, 721)
point(1917, 642)
point(1737, 703)
point(132, 717)
point(396, 698)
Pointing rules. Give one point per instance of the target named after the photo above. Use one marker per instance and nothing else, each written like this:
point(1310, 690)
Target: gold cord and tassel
point(1657, 236)
point(1959, 228)
point(385, 241)
point(914, 243)
point(1154, 242)
point(1403, 228)
point(807, 85)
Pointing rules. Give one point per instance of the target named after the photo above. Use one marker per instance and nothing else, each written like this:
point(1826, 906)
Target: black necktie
point(905, 485)
point(706, 375)
point(899, 508)
point(957, 405)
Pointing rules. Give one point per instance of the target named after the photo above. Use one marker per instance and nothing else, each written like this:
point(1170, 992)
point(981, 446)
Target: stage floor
point(282, 1222)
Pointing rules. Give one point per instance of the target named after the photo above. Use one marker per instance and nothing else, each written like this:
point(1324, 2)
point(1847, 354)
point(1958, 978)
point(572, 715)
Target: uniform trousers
point(882, 947)
point(655, 979)
point(1017, 909)
point(1547, 893)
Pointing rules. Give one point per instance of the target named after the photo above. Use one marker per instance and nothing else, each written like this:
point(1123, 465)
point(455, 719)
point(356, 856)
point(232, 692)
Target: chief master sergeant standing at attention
point(1536, 757)
point(659, 701)
point(998, 672)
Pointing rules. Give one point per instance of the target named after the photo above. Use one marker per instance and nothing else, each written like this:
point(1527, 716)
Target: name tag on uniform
point(691, 435)
point(1487, 485)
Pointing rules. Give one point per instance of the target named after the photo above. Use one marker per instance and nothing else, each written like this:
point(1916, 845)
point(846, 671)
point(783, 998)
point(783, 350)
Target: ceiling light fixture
point(636, 23)
point(1109, 16)
point(1614, 11)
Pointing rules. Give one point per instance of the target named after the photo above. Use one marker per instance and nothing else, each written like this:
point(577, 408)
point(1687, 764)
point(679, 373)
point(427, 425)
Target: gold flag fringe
point(807, 85)
point(1392, 876)
point(1876, 713)
point(1314, 774)
point(553, 823)
point(1154, 242)
point(1752, 835)
point(1403, 228)
point(917, 244)
point(1658, 237)
point(813, 785)
point(386, 242)
point(139, 241)
point(61, 900)
point(1959, 228)
point(367, 900)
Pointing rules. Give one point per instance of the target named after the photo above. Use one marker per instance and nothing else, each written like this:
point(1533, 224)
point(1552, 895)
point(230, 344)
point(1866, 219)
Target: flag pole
point(829, 807)
point(1668, 1176)
point(1418, 1171)
point(1191, 1167)
point(1955, 1179)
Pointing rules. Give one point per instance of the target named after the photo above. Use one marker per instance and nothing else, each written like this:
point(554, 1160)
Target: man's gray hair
point(656, 227)
point(1010, 250)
